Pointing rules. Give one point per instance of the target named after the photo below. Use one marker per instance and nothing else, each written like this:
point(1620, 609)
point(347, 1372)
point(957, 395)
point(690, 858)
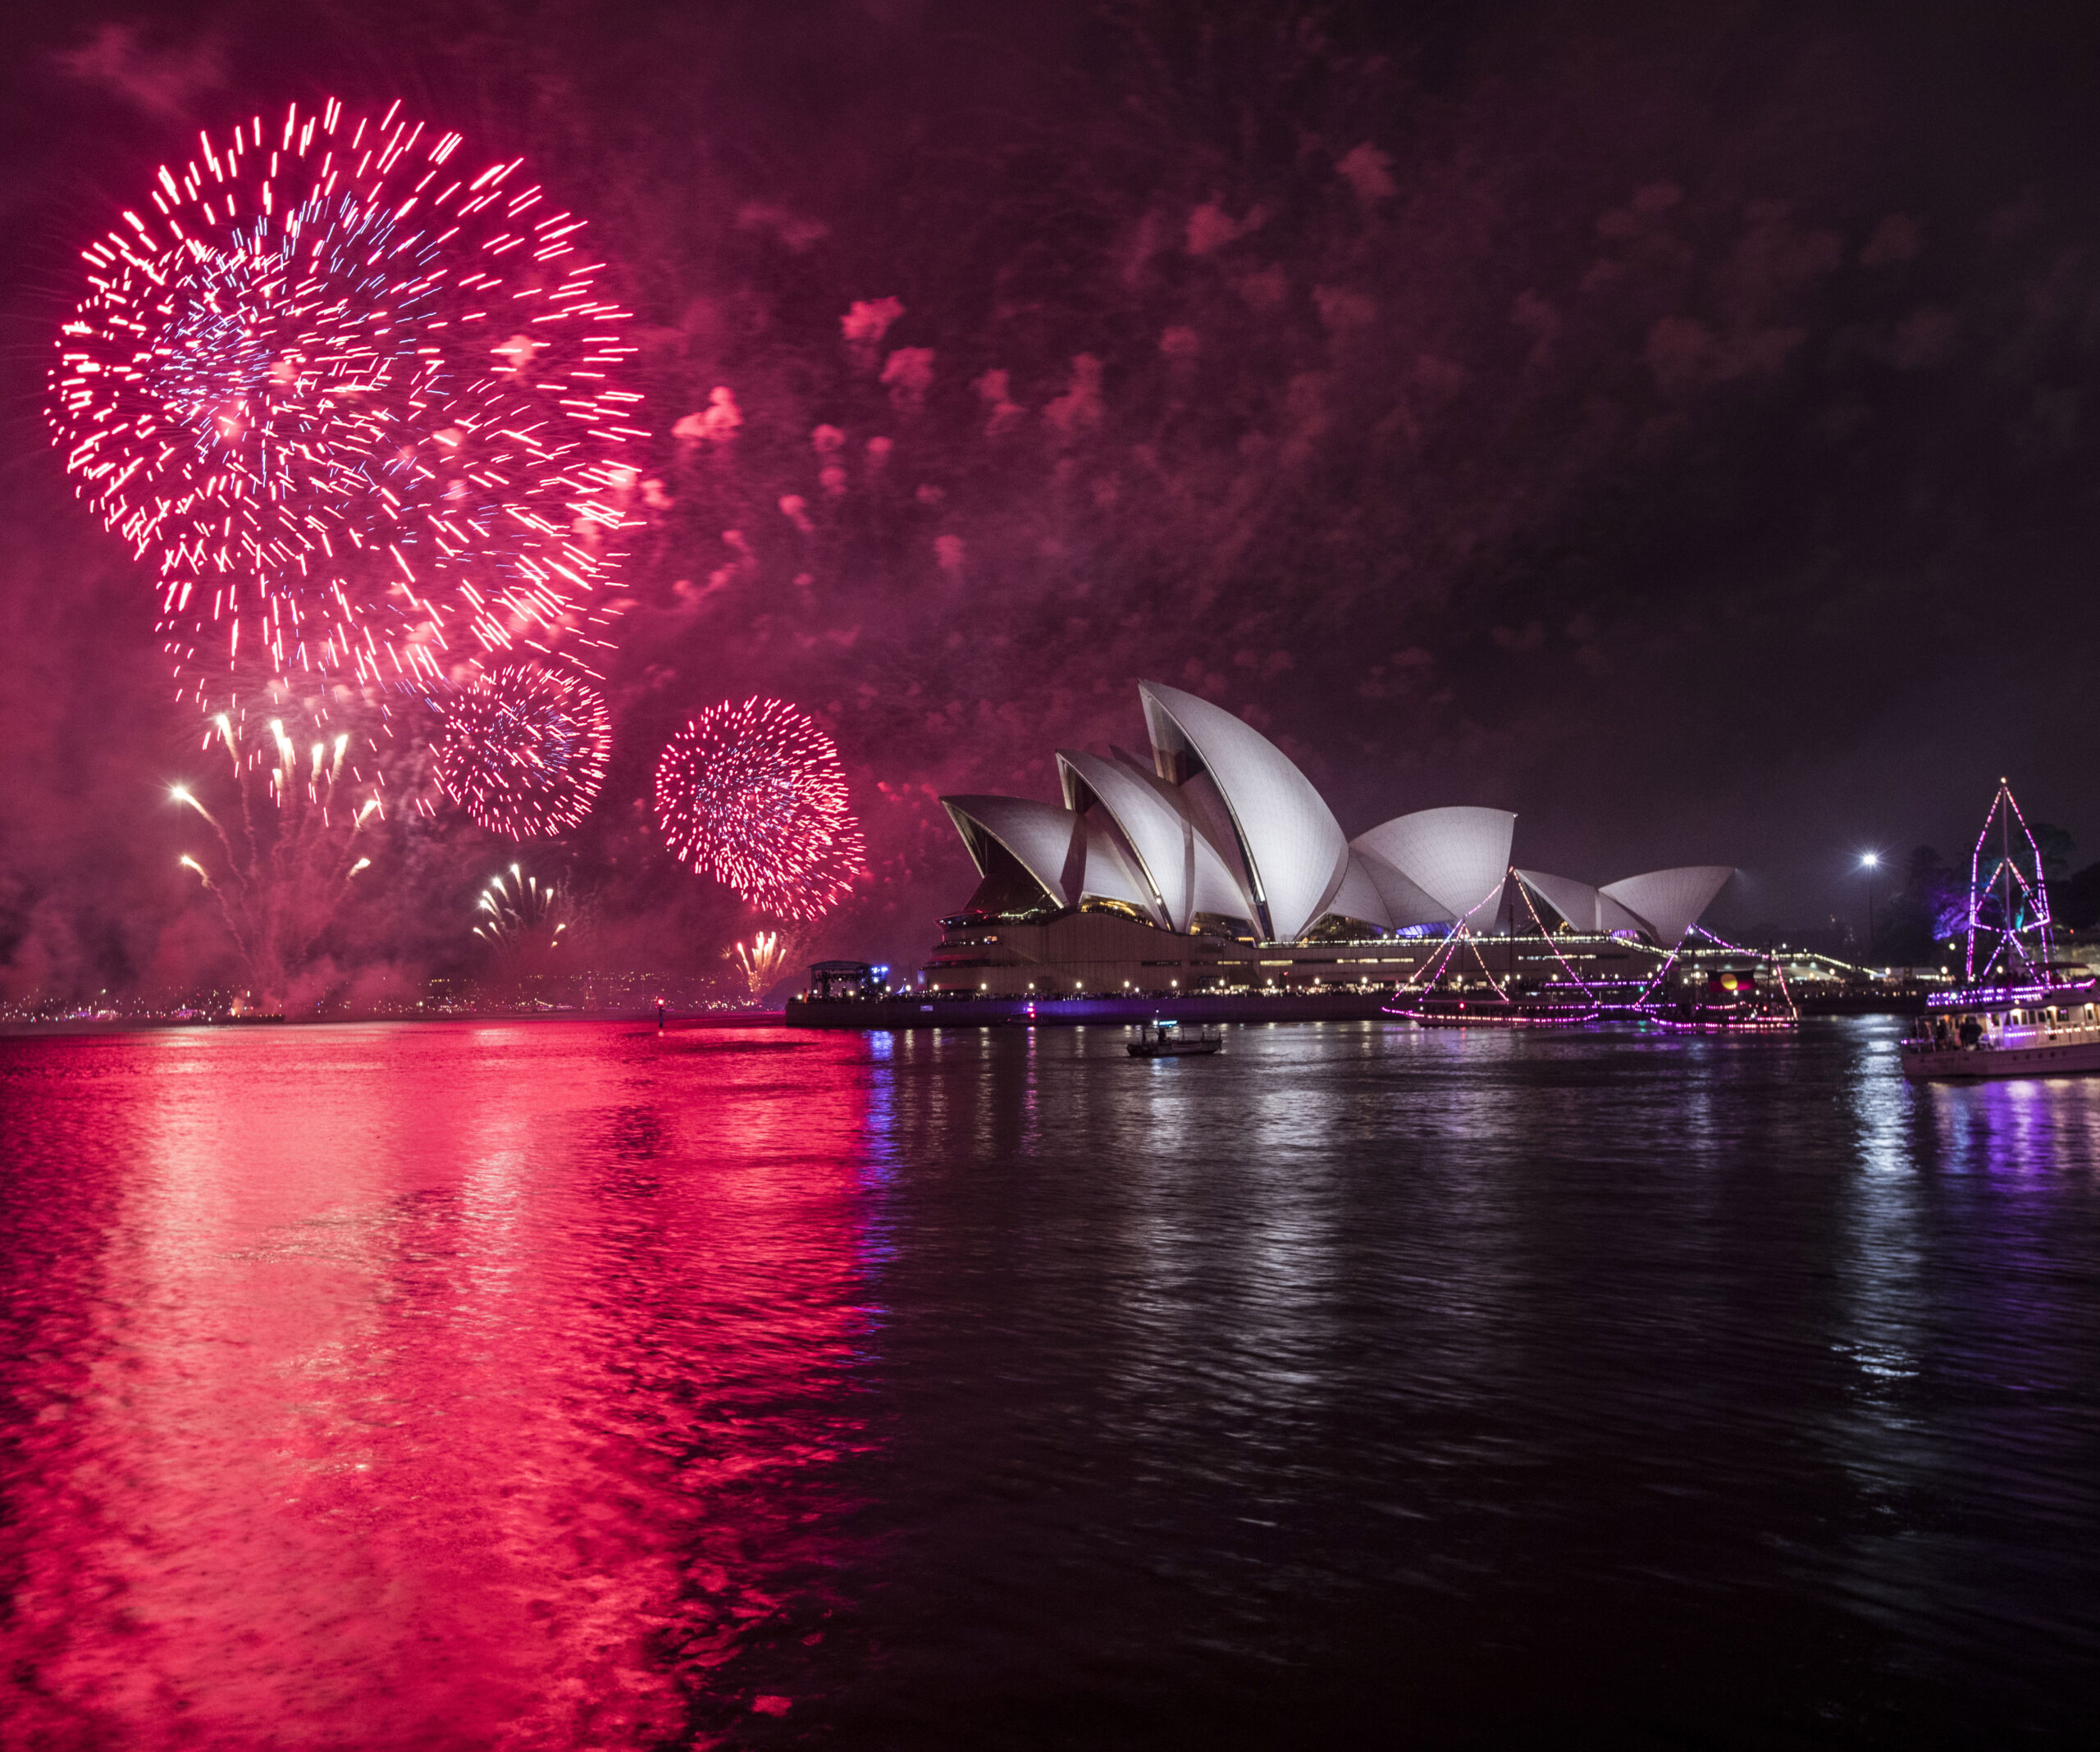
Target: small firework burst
point(764, 959)
point(754, 796)
point(359, 406)
point(523, 751)
point(532, 929)
point(289, 855)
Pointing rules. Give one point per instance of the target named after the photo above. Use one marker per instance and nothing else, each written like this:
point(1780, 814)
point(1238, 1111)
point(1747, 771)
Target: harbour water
point(557, 1385)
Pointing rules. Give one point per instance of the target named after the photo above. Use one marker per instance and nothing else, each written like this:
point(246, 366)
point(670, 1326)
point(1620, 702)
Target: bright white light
point(1872, 860)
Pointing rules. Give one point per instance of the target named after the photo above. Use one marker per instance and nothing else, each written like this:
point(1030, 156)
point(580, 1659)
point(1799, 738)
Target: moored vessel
point(1497, 1010)
point(2018, 1013)
point(2033, 1031)
point(1169, 1039)
point(1503, 1004)
point(1733, 1002)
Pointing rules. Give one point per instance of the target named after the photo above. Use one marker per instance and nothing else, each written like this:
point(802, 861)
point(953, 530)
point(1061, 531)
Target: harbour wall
point(1065, 1012)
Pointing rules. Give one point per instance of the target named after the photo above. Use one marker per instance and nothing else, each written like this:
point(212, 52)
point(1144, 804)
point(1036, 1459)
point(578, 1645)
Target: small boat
point(2020, 1013)
point(1431, 1010)
point(1169, 1039)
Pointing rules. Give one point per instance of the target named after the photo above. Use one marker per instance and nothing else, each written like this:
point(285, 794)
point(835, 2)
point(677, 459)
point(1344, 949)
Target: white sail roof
point(1616, 915)
point(1407, 902)
point(1294, 849)
point(1670, 900)
point(1220, 823)
point(1156, 831)
point(1606, 908)
point(1458, 856)
point(1586, 908)
point(1358, 896)
point(1575, 901)
point(1043, 839)
point(1191, 873)
point(1109, 875)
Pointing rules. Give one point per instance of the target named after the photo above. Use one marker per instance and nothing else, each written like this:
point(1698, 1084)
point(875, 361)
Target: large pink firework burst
point(361, 408)
point(754, 796)
point(523, 751)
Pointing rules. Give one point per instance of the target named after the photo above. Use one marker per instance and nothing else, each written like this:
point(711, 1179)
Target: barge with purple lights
point(1732, 1003)
point(1502, 1010)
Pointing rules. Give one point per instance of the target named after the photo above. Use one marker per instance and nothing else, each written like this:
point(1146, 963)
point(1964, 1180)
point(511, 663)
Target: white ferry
point(2041, 1031)
point(2021, 1014)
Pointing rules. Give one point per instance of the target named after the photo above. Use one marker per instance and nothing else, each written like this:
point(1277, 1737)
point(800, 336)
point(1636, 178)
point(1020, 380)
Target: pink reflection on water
point(430, 1386)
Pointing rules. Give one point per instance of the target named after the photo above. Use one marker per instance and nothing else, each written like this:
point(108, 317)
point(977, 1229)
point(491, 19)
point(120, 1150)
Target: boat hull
point(2071, 1059)
point(1470, 1014)
point(1700, 1020)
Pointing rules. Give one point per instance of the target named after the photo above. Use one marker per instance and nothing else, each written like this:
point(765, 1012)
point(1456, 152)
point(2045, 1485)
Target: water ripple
point(562, 1386)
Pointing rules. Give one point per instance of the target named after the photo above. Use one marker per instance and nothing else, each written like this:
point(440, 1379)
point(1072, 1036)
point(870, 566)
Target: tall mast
point(2005, 874)
point(2006, 942)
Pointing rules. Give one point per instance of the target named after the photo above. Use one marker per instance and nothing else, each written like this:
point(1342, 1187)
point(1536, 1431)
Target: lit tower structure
point(2010, 939)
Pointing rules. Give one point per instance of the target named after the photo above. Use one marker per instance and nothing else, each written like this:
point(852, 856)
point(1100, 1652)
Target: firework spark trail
point(754, 796)
point(523, 751)
point(527, 911)
point(764, 959)
point(286, 867)
point(533, 929)
point(360, 407)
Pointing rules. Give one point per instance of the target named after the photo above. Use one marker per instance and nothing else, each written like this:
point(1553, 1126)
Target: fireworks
point(289, 858)
point(523, 751)
point(763, 961)
point(526, 909)
point(753, 795)
point(532, 928)
point(360, 407)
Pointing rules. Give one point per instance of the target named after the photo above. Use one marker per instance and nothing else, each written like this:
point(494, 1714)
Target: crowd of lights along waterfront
point(754, 796)
point(523, 750)
point(359, 405)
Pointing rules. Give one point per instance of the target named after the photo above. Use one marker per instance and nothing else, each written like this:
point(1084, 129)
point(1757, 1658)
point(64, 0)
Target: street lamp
point(1870, 862)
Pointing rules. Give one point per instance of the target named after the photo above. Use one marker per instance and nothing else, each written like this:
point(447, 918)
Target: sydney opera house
point(1215, 865)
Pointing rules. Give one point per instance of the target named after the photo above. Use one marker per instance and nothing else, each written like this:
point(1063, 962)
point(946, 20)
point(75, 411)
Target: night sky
point(1676, 425)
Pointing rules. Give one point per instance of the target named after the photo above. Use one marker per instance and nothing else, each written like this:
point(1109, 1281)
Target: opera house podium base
point(909, 1012)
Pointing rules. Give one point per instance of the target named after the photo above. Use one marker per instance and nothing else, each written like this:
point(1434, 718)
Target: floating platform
point(1169, 1039)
